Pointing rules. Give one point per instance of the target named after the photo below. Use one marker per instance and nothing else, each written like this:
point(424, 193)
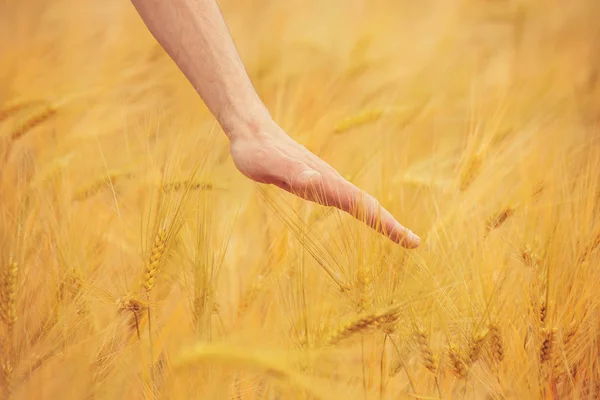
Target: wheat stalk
point(131, 304)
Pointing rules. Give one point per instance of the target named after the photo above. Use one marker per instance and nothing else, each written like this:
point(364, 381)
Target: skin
point(196, 37)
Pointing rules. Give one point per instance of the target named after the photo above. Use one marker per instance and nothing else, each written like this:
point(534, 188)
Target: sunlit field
point(136, 262)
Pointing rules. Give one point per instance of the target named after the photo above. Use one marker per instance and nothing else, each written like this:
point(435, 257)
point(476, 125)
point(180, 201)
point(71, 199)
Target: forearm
point(196, 37)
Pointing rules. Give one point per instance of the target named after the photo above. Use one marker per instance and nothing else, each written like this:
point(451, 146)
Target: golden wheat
point(457, 363)
point(594, 244)
point(95, 187)
point(548, 342)
point(363, 323)
point(496, 343)
point(529, 257)
point(33, 122)
point(363, 290)
point(429, 359)
point(7, 375)
point(396, 367)
point(543, 311)
point(476, 346)
point(8, 293)
point(569, 335)
point(563, 363)
point(469, 171)
point(247, 358)
point(250, 293)
point(7, 110)
point(136, 309)
point(155, 260)
point(186, 185)
point(498, 219)
point(360, 119)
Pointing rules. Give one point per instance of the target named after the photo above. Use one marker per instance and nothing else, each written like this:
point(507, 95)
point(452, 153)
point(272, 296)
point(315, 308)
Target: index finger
point(339, 193)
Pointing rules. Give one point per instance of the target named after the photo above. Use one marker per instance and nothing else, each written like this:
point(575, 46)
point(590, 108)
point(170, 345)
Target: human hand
point(260, 150)
point(270, 156)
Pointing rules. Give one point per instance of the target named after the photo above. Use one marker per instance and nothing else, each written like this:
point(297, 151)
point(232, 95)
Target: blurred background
point(474, 122)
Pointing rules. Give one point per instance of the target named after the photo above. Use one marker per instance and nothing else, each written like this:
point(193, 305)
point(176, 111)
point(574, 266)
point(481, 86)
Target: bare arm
point(195, 36)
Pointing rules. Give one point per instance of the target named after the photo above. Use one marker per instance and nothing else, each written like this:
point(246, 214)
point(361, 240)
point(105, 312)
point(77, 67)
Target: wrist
point(251, 123)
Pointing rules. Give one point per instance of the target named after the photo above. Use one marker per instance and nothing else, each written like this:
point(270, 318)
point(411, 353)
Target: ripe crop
point(137, 262)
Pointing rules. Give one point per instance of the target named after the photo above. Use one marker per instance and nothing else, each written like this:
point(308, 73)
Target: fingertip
point(413, 241)
point(406, 238)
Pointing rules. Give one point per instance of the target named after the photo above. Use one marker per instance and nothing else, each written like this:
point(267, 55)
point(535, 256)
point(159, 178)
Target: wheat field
point(136, 262)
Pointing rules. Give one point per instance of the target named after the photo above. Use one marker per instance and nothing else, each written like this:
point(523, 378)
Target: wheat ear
point(129, 303)
point(363, 323)
point(429, 359)
point(13, 108)
point(549, 337)
point(498, 219)
point(457, 362)
point(32, 122)
point(7, 376)
point(8, 309)
point(360, 119)
point(155, 260)
point(186, 185)
point(475, 346)
point(99, 184)
point(543, 311)
point(496, 343)
point(594, 244)
point(469, 171)
point(529, 256)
